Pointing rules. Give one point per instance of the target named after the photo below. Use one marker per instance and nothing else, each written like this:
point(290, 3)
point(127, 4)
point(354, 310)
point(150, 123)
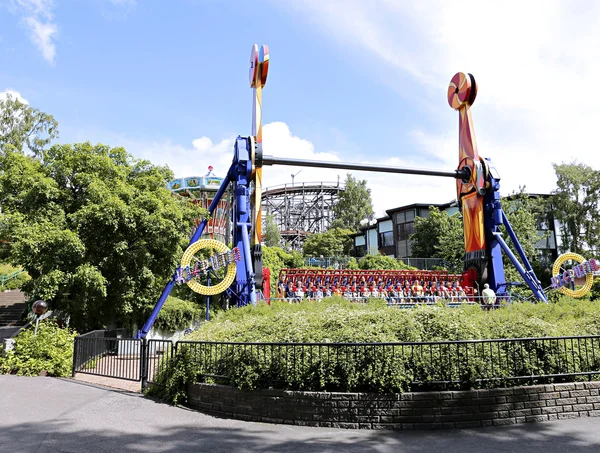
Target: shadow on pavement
point(59, 436)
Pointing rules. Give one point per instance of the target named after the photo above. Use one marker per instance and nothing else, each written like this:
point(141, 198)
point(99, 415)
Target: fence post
point(74, 356)
point(144, 363)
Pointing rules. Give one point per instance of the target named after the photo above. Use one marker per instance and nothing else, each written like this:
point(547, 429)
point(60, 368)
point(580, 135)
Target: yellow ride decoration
point(556, 272)
point(194, 284)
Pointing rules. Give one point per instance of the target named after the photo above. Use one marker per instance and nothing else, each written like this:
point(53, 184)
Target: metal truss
point(301, 209)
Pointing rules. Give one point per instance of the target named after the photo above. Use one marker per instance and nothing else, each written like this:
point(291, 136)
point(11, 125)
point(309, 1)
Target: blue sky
point(349, 80)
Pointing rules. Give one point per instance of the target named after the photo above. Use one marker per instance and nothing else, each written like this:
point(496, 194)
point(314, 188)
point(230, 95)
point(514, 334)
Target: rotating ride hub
point(209, 267)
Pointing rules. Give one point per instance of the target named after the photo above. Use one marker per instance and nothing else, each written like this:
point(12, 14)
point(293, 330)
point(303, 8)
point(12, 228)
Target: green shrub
point(177, 314)
point(337, 366)
point(50, 350)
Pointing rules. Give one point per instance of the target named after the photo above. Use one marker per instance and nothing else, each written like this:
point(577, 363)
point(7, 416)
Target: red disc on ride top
point(263, 59)
point(462, 90)
point(253, 65)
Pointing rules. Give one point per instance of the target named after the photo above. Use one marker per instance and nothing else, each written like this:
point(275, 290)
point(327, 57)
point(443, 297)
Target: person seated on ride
point(299, 296)
point(289, 292)
point(365, 293)
point(347, 292)
point(444, 291)
point(280, 294)
point(391, 294)
point(383, 294)
point(355, 292)
point(399, 294)
point(428, 295)
point(336, 291)
point(327, 290)
point(374, 291)
point(318, 293)
point(462, 295)
point(454, 295)
point(307, 291)
point(418, 289)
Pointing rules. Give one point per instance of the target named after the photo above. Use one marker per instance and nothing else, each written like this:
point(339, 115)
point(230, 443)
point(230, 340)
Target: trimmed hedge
point(378, 368)
point(177, 314)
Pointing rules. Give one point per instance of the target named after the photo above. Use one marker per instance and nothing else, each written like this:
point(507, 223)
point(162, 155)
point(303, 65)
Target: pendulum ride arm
point(479, 196)
point(259, 68)
point(469, 191)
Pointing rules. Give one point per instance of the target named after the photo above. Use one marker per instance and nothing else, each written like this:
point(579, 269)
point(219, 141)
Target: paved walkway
point(46, 415)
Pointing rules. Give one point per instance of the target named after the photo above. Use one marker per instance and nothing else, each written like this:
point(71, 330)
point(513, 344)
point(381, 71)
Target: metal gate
point(130, 359)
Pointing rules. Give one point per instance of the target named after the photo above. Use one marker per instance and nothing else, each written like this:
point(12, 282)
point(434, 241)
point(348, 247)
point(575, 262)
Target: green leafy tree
point(275, 258)
point(333, 242)
point(97, 231)
point(23, 126)
point(577, 206)
point(439, 236)
point(271, 234)
point(354, 205)
point(524, 212)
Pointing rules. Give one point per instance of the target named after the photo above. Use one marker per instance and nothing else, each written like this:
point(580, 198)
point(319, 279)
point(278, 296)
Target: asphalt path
point(43, 415)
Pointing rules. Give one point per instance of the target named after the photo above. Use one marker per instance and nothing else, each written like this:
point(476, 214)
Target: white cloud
point(536, 63)
point(38, 18)
point(42, 35)
point(14, 94)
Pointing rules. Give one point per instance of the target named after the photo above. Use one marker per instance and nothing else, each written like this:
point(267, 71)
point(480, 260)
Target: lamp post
point(39, 308)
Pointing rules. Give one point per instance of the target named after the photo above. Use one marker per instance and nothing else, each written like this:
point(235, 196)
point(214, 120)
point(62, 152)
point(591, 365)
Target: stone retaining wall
point(400, 411)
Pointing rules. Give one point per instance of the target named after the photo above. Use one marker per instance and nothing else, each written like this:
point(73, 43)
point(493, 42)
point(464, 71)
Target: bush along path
point(50, 352)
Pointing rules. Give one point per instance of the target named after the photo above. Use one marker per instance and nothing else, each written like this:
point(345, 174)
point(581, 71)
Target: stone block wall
point(401, 411)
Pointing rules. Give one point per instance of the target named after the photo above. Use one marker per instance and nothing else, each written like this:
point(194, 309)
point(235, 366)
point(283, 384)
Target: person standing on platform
point(489, 296)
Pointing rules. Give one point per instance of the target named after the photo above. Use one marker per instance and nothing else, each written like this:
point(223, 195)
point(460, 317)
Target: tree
point(271, 236)
point(354, 205)
point(577, 206)
point(97, 230)
point(333, 242)
point(22, 126)
point(523, 213)
point(275, 258)
point(439, 236)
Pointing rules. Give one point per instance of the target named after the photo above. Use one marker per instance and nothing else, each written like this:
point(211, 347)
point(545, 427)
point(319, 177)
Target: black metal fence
point(130, 359)
point(395, 366)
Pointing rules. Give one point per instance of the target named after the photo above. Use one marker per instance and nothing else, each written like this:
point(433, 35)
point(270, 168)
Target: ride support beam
point(270, 160)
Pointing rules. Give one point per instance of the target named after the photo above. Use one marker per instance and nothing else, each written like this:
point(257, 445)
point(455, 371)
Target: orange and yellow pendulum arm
point(469, 191)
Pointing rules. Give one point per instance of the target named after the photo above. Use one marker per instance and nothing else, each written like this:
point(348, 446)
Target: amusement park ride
point(478, 195)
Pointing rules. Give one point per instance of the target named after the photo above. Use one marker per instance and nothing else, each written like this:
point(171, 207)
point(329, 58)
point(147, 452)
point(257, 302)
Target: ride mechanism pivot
point(477, 191)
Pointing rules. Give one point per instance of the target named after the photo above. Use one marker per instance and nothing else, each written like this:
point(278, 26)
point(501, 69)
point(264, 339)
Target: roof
point(420, 205)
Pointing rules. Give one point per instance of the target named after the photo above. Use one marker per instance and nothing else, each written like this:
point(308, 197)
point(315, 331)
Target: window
point(405, 230)
point(361, 250)
point(386, 239)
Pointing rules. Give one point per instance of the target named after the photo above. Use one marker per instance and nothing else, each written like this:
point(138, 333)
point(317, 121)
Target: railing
point(109, 357)
point(121, 358)
point(301, 185)
point(395, 366)
point(4, 279)
point(327, 261)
